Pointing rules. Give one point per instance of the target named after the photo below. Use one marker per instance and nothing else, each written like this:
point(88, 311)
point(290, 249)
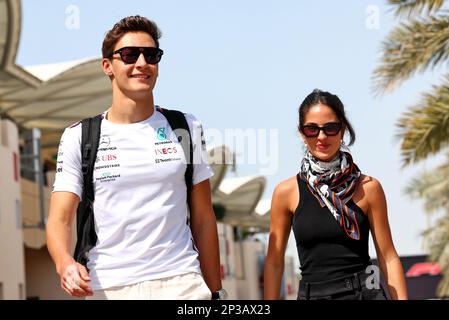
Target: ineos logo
point(165, 151)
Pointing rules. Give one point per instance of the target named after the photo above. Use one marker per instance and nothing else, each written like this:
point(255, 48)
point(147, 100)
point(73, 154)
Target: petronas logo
point(161, 134)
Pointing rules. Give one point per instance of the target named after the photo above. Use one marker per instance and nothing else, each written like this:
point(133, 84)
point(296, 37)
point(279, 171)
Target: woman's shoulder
point(371, 187)
point(286, 186)
point(286, 192)
point(369, 182)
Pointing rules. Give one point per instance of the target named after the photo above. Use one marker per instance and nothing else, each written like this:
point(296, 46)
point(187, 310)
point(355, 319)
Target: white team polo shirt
point(140, 206)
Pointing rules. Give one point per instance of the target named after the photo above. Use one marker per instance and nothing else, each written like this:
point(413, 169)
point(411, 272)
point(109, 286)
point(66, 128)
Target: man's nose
point(141, 60)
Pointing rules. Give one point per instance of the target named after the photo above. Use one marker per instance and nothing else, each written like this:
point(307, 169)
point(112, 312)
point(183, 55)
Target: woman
point(331, 207)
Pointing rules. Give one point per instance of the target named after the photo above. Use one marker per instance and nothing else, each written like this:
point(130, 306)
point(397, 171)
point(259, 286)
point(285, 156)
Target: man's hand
point(74, 280)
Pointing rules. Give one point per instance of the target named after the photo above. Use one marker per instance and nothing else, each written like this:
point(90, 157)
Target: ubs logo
point(105, 141)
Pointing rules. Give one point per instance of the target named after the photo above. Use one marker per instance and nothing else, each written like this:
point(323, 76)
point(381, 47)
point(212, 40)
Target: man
point(145, 248)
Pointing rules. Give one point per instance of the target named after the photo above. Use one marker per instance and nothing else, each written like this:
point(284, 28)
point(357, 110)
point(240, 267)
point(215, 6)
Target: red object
point(418, 269)
point(289, 289)
point(16, 166)
point(222, 273)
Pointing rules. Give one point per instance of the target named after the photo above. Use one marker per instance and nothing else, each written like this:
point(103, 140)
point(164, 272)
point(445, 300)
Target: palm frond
point(424, 129)
point(436, 238)
point(443, 261)
point(432, 187)
point(414, 46)
point(408, 8)
point(436, 241)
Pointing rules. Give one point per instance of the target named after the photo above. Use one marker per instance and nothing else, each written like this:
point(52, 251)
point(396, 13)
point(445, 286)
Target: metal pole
point(242, 255)
point(224, 226)
point(36, 134)
point(33, 165)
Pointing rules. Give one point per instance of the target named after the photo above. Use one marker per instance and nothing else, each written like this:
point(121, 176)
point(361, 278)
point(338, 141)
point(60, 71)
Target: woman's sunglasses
point(130, 55)
point(329, 129)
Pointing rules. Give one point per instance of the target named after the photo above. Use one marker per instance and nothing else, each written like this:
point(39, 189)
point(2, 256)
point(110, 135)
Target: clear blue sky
point(249, 64)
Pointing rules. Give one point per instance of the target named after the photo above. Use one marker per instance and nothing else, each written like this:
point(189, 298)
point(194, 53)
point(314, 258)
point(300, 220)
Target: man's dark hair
point(129, 24)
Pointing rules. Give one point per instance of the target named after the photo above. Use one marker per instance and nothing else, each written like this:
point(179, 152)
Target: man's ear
point(107, 67)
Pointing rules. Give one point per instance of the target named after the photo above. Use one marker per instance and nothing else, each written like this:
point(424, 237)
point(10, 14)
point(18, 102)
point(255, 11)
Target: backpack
point(91, 127)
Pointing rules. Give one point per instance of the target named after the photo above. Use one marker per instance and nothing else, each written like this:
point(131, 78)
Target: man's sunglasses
point(312, 130)
point(130, 55)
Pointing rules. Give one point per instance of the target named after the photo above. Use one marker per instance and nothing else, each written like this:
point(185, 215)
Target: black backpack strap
point(178, 123)
point(86, 236)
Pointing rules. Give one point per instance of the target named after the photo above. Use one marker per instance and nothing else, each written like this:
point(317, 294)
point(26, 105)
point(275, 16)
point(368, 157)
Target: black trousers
point(351, 287)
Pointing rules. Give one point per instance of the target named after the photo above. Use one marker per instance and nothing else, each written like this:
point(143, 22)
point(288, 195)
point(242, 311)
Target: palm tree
point(433, 187)
point(418, 44)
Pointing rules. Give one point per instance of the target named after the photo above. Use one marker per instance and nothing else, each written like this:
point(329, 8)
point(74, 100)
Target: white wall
point(291, 278)
point(249, 272)
point(41, 277)
point(12, 265)
point(42, 280)
point(227, 259)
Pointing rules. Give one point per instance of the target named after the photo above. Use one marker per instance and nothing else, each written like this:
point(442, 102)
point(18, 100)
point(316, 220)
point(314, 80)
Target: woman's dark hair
point(129, 24)
point(332, 101)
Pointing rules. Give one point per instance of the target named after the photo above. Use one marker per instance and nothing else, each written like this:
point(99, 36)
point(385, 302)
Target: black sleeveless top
point(325, 251)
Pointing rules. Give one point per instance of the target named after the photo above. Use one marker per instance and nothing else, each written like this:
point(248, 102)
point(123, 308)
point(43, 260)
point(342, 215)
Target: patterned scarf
point(333, 184)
